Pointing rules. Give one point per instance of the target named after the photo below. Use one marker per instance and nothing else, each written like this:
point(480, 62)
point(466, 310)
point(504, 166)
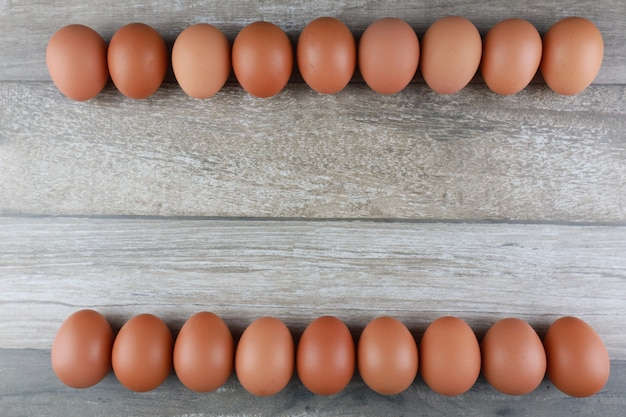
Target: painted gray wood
point(29, 387)
point(534, 156)
point(25, 27)
point(298, 271)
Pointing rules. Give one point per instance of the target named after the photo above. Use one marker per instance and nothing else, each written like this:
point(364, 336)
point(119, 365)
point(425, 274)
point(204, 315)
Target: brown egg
point(388, 55)
point(204, 352)
point(450, 55)
point(142, 353)
point(201, 60)
point(76, 57)
point(449, 356)
point(81, 352)
point(511, 56)
point(326, 356)
point(262, 59)
point(387, 356)
point(264, 359)
point(326, 55)
point(137, 60)
point(578, 362)
point(513, 358)
point(572, 55)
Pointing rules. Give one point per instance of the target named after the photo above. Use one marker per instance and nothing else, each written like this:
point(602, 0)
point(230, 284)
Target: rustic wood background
point(416, 205)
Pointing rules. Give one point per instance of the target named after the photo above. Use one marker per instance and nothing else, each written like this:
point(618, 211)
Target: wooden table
point(415, 205)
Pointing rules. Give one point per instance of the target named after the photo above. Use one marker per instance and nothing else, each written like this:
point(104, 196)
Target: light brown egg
point(142, 353)
point(511, 56)
point(201, 60)
point(76, 57)
point(572, 55)
point(81, 352)
point(388, 55)
point(450, 54)
point(204, 352)
point(326, 54)
point(138, 60)
point(513, 358)
point(326, 356)
point(449, 356)
point(387, 356)
point(262, 59)
point(578, 361)
point(264, 359)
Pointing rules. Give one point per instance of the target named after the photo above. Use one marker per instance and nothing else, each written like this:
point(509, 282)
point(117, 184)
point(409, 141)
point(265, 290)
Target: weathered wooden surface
point(28, 387)
point(552, 166)
point(534, 156)
point(301, 270)
point(27, 26)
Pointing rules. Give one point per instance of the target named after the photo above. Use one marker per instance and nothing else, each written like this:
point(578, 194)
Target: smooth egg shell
point(449, 356)
point(204, 352)
point(264, 359)
point(578, 361)
point(326, 356)
point(387, 356)
point(450, 55)
point(81, 352)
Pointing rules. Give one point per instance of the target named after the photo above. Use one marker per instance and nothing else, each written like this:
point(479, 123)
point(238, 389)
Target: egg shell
point(578, 361)
point(264, 359)
point(450, 54)
point(573, 50)
point(262, 59)
point(326, 356)
point(76, 57)
point(81, 351)
point(138, 60)
point(513, 357)
point(388, 55)
point(511, 56)
point(449, 356)
point(326, 55)
point(387, 356)
point(204, 352)
point(201, 60)
point(142, 353)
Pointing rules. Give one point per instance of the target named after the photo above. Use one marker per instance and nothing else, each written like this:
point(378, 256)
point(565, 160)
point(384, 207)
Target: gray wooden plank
point(416, 155)
point(28, 387)
point(26, 26)
point(297, 271)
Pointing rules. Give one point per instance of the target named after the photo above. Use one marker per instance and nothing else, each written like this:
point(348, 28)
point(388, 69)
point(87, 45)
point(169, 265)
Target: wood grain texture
point(297, 271)
point(26, 26)
point(29, 388)
point(534, 156)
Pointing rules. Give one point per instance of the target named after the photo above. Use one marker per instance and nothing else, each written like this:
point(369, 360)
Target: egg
point(578, 361)
point(138, 60)
point(387, 356)
point(326, 55)
point(326, 356)
point(204, 352)
point(450, 54)
point(388, 55)
point(142, 353)
point(76, 57)
point(264, 359)
point(572, 55)
point(449, 356)
point(81, 351)
point(511, 56)
point(201, 60)
point(262, 59)
point(513, 357)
